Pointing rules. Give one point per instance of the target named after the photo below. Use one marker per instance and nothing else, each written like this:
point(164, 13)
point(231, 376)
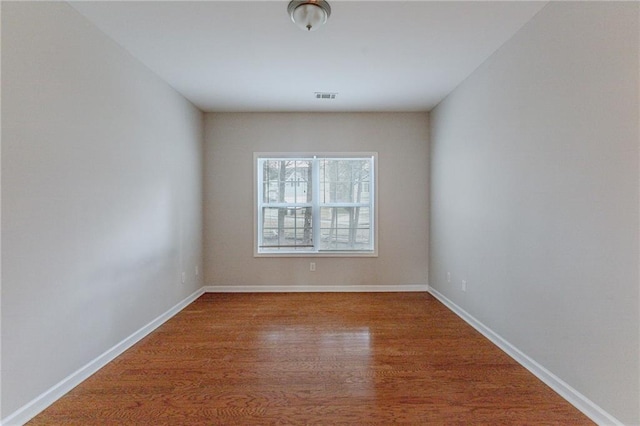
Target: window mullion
point(372, 203)
point(346, 205)
point(373, 220)
point(260, 195)
point(315, 210)
point(289, 205)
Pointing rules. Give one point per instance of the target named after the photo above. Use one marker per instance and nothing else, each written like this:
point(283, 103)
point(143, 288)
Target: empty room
point(320, 212)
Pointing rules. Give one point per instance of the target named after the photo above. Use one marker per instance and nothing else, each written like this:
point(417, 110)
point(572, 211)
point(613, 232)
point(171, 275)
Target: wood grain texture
point(313, 358)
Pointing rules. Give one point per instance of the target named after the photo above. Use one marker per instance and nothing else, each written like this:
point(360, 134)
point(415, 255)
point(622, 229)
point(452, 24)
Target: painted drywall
point(401, 140)
point(534, 197)
point(101, 196)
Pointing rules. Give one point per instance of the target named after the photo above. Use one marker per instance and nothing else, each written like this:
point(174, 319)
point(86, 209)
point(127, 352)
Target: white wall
point(101, 196)
point(534, 197)
point(401, 141)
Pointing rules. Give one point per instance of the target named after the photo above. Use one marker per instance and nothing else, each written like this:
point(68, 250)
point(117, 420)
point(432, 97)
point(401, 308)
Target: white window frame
point(257, 205)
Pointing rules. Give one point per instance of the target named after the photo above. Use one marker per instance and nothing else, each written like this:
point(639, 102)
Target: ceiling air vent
point(325, 95)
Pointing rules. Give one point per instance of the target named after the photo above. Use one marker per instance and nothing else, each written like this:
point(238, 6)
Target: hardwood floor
point(313, 358)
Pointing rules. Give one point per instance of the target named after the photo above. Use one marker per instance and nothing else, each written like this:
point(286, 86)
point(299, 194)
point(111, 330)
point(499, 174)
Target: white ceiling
point(249, 56)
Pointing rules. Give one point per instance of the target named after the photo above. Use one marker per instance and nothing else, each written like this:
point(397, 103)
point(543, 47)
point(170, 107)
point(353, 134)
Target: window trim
point(307, 155)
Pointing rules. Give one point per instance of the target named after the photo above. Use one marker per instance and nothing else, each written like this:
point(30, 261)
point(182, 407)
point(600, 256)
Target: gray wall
point(534, 197)
point(101, 196)
point(401, 140)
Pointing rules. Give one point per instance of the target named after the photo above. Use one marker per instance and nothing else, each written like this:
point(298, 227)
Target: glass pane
point(287, 228)
point(287, 181)
point(345, 228)
point(345, 181)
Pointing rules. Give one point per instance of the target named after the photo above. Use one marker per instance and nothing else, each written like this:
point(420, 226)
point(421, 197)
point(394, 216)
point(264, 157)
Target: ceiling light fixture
point(309, 15)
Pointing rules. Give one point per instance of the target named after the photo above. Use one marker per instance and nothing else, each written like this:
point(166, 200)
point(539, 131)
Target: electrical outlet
point(197, 271)
point(184, 277)
point(464, 285)
point(448, 277)
point(312, 266)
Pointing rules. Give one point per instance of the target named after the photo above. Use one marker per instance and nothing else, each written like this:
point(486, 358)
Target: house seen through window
point(315, 204)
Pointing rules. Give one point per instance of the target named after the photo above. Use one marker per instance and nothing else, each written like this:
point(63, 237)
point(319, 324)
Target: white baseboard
point(37, 405)
point(314, 288)
point(575, 398)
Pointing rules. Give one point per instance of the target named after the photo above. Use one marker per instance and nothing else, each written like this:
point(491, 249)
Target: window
point(315, 204)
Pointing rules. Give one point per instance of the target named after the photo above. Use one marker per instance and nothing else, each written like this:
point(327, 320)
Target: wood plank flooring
point(313, 358)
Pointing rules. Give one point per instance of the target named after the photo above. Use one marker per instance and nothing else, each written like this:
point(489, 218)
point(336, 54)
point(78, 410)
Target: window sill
point(342, 254)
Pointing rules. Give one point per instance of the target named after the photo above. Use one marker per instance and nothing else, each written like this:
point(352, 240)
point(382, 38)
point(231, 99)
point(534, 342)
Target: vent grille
point(325, 95)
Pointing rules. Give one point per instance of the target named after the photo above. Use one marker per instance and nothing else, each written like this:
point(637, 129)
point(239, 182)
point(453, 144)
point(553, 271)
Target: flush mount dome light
point(309, 15)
